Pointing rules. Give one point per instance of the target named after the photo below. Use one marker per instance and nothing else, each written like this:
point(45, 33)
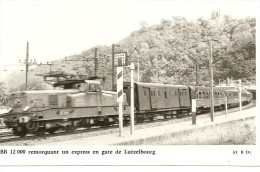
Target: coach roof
point(159, 85)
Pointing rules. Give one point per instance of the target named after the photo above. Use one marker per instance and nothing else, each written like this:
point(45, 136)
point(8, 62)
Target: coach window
point(165, 94)
point(144, 93)
point(158, 93)
point(53, 100)
point(151, 93)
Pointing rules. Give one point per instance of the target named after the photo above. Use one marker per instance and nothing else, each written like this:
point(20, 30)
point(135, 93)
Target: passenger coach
point(160, 99)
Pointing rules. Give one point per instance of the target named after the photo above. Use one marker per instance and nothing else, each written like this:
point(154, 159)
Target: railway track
point(6, 135)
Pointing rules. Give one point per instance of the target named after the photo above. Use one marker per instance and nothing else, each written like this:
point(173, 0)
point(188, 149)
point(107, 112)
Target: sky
point(59, 28)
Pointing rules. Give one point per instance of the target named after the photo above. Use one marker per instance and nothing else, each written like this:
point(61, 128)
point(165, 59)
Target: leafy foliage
point(3, 93)
point(169, 51)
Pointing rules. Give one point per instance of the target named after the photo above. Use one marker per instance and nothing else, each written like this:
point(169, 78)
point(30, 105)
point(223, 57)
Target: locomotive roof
point(46, 91)
point(160, 85)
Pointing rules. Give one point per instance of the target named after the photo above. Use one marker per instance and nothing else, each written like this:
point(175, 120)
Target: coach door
point(153, 95)
point(144, 98)
point(184, 97)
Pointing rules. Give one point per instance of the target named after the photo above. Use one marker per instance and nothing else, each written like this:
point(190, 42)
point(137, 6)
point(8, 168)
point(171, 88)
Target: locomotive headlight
point(24, 119)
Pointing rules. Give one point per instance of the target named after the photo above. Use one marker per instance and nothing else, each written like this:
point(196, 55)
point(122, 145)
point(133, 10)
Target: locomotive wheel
point(32, 126)
point(20, 131)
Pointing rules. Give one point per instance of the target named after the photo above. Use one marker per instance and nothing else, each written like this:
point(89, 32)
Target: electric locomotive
point(80, 103)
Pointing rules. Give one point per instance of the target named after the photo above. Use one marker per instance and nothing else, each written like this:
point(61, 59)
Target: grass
point(237, 133)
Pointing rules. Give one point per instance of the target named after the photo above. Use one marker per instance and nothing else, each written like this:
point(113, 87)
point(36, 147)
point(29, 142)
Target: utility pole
point(138, 70)
point(211, 81)
point(196, 74)
point(96, 61)
point(240, 96)
point(132, 67)
point(211, 84)
point(87, 59)
point(27, 66)
point(46, 64)
point(25, 63)
point(113, 67)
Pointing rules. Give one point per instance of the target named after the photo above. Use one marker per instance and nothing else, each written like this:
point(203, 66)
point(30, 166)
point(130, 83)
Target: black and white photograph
point(129, 82)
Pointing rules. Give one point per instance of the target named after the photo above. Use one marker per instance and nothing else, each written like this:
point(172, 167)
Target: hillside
point(169, 51)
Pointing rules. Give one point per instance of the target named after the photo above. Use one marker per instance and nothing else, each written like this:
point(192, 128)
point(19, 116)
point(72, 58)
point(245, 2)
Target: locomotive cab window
point(53, 100)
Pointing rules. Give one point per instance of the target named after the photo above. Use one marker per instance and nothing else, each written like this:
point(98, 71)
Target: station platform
point(151, 133)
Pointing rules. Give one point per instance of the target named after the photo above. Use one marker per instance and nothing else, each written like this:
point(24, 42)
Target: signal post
point(119, 61)
point(120, 98)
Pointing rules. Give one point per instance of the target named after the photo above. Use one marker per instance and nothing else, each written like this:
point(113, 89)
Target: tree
point(3, 93)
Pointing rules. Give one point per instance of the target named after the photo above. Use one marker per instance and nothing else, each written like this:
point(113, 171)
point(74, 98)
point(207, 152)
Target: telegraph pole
point(132, 67)
point(96, 61)
point(240, 96)
point(196, 74)
point(46, 64)
point(138, 70)
point(27, 66)
point(113, 67)
point(87, 59)
point(211, 84)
